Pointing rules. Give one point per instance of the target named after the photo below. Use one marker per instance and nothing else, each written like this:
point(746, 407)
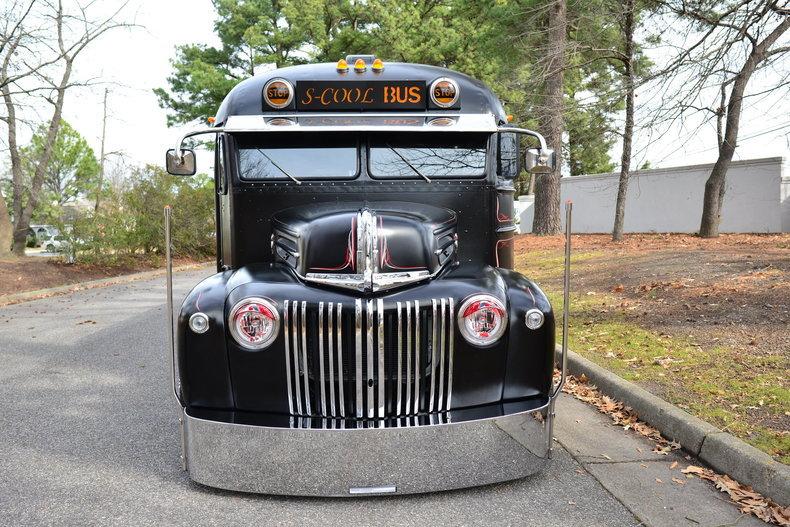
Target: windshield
point(428, 155)
point(297, 156)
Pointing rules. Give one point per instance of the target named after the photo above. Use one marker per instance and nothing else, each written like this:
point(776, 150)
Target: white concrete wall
point(757, 199)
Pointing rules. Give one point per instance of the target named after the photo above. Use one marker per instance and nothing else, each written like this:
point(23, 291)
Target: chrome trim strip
point(340, 385)
point(358, 332)
point(417, 357)
point(322, 386)
point(358, 122)
point(306, 385)
point(408, 358)
point(451, 334)
point(372, 282)
point(399, 387)
point(434, 338)
point(369, 357)
point(295, 337)
point(382, 378)
point(330, 341)
point(442, 351)
point(386, 489)
point(286, 339)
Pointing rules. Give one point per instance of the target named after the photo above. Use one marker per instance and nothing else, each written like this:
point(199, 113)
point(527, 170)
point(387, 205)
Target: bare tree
point(724, 45)
point(627, 58)
point(39, 44)
point(547, 186)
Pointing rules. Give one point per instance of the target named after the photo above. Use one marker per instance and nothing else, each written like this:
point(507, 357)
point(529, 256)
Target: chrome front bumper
point(353, 461)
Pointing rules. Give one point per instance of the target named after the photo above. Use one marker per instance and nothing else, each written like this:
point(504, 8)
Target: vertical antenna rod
point(566, 287)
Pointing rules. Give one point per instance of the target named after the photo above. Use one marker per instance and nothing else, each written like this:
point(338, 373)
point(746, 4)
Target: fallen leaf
point(673, 465)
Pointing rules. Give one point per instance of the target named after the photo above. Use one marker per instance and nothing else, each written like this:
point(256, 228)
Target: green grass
point(743, 394)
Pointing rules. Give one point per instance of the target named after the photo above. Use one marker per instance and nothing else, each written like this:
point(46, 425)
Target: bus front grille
point(367, 359)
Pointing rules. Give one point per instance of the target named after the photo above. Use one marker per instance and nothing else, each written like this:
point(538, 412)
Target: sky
point(136, 61)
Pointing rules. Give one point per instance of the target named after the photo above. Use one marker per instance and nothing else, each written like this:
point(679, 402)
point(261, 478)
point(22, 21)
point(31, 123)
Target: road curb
point(27, 296)
point(724, 452)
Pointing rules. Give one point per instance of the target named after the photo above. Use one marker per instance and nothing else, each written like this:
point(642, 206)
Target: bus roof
point(246, 99)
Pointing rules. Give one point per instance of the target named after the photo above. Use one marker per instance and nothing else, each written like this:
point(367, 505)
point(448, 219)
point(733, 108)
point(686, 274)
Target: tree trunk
point(6, 229)
point(547, 187)
point(22, 222)
point(101, 158)
point(715, 185)
point(628, 131)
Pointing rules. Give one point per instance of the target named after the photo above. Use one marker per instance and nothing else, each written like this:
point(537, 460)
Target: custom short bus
point(365, 332)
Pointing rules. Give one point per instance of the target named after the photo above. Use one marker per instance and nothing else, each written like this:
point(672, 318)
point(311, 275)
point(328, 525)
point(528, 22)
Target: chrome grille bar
point(295, 339)
point(434, 333)
point(451, 352)
point(369, 349)
point(330, 338)
point(417, 350)
point(408, 358)
point(442, 351)
point(340, 385)
point(358, 379)
point(304, 358)
point(286, 323)
point(321, 376)
point(381, 377)
point(399, 387)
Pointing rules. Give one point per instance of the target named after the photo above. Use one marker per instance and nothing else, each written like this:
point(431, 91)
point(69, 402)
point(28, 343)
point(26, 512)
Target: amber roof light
point(360, 66)
point(342, 66)
point(378, 65)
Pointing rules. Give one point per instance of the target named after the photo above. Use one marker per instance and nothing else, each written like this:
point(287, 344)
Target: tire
point(50, 248)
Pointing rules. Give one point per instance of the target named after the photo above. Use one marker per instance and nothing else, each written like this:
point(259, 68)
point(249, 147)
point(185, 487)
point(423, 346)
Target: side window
point(508, 155)
point(220, 167)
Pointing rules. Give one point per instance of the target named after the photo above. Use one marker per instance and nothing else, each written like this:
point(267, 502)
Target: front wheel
point(50, 248)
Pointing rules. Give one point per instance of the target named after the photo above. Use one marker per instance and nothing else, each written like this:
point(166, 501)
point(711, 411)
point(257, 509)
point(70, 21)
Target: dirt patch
point(18, 275)
point(703, 323)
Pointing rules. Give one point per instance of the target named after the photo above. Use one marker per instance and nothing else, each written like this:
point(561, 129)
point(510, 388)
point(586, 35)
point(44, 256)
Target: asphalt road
point(89, 436)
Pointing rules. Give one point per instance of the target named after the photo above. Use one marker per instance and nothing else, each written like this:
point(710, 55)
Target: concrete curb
point(722, 451)
point(27, 296)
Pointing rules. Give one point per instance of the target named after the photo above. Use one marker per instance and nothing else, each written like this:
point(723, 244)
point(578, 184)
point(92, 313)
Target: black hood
point(350, 238)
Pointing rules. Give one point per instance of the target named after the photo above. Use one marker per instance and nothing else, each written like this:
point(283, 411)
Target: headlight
point(254, 323)
point(482, 320)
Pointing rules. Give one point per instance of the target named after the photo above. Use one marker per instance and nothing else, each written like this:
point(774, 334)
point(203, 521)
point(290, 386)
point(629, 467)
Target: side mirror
point(540, 161)
point(183, 165)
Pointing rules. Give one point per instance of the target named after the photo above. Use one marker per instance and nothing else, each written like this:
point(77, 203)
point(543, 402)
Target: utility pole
point(101, 158)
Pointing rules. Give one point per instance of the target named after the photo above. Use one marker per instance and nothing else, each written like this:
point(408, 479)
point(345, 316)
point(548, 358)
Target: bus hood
point(366, 246)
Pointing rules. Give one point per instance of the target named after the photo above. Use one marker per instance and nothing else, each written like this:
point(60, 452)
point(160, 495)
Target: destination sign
point(360, 95)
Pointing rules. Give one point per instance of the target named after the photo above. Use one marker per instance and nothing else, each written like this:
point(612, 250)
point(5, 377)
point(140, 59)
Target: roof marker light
point(342, 66)
point(360, 66)
point(378, 66)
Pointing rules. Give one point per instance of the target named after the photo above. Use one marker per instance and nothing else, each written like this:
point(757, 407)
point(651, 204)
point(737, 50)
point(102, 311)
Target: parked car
point(56, 243)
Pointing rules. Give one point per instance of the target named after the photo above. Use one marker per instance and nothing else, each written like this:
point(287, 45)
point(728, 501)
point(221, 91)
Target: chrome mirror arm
point(180, 142)
point(525, 131)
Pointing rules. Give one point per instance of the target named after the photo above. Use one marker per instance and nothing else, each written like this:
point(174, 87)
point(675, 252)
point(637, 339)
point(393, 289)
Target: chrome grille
point(397, 363)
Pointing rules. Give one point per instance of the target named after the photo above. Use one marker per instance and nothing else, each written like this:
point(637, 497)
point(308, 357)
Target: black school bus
point(365, 332)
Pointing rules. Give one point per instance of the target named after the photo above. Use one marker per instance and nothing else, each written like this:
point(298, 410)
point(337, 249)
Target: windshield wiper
point(409, 164)
point(278, 167)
